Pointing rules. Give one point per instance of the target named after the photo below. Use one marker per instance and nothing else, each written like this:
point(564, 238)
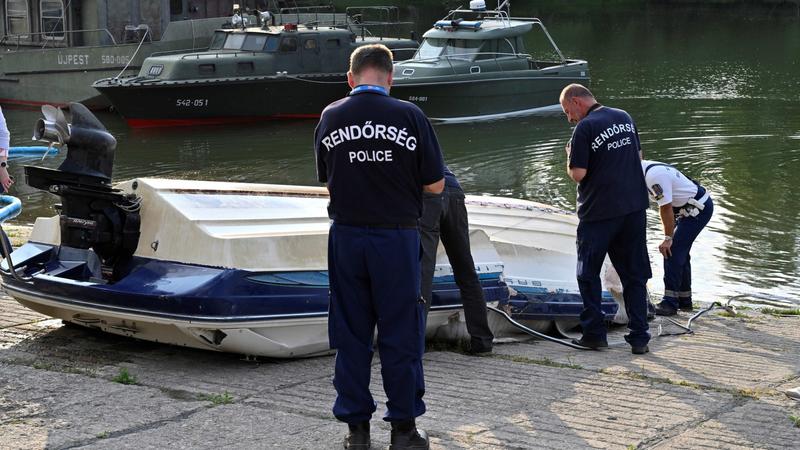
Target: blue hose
point(11, 207)
point(37, 150)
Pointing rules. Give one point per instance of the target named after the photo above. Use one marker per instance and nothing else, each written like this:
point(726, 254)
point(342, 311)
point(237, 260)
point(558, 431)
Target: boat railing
point(320, 14)
point(497, 57)
point(228, 54)
point(20, 39)
point(179, 51)
point(372, 21)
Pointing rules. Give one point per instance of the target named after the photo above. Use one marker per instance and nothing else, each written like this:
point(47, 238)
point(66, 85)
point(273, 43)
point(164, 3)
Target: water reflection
point(711, 93)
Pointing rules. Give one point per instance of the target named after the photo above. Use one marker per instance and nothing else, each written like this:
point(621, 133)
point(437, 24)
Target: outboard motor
point(92, 214)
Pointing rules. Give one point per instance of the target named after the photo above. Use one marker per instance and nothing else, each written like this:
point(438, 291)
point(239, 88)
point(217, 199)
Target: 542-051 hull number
point(191, 102)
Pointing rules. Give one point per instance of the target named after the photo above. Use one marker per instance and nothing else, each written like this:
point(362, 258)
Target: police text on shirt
point(370, 131)
point(610, 132)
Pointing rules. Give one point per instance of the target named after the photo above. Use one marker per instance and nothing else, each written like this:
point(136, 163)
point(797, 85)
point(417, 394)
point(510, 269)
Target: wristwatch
point(667, 238)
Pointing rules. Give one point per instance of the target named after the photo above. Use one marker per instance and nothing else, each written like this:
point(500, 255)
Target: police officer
point(445, 216)
point(377, 155)
point(603, 157)
point(685, 208)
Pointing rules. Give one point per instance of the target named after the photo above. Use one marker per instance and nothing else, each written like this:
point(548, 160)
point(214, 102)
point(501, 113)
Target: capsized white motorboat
point(240, 267)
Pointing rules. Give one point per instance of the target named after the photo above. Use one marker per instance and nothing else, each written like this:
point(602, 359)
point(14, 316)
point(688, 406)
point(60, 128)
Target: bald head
point(576, 100)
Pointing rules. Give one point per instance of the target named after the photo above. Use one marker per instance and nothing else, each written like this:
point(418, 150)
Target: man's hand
point(5, 179)
point(568, 148)
point(666, 248)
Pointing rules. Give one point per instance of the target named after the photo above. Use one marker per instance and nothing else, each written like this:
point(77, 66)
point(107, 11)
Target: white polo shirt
point(666, 184)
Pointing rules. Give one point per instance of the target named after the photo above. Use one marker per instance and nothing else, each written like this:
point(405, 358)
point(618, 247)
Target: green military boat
point(472, 65)
point(254, 73)
point(51, 51)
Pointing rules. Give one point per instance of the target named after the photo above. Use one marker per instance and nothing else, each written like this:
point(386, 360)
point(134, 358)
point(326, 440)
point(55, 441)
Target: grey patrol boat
point(257, 73)
point(52, 50)
point(472, 65)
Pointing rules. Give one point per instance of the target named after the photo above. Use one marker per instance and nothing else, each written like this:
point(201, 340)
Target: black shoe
point(665, 309)
point(358, 437)
point(406, 435)
point(477, 347)
point(639, 350)
point(592, 344)
point(686, 306)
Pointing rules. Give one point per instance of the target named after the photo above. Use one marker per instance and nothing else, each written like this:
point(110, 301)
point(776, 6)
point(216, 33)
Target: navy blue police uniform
point(375, 153)
point(612, 204)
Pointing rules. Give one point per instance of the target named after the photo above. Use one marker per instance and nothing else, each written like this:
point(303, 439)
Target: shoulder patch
point(658, 191)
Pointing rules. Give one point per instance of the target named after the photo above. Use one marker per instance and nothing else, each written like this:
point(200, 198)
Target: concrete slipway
point(60, 387)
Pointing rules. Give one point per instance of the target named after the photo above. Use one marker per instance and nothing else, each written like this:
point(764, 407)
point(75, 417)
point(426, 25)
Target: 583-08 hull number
point(191, 102)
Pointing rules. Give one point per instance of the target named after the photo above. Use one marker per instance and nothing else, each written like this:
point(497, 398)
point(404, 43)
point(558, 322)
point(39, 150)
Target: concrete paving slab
point(719, 388)
point(63, 410)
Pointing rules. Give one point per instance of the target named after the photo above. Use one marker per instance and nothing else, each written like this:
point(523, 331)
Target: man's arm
point(434, 188)
point(668, 221)
point(576, 173)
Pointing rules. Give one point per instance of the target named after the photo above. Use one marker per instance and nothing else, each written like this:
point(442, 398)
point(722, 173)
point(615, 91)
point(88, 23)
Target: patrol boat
point(472, 65)
point(240, 267)
point(255, 73)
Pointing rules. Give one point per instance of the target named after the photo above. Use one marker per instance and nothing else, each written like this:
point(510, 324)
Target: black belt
point(389, 226)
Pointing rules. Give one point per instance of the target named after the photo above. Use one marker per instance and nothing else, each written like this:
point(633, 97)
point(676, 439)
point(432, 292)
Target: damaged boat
point(238, 267)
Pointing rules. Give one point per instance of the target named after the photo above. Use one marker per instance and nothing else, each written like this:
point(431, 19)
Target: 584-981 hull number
point(191, 102)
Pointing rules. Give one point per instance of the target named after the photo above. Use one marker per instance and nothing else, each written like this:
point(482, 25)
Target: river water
point(714, 92)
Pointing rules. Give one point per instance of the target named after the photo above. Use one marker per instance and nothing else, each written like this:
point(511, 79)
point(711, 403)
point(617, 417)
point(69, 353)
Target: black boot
point(406, 435)
point(358, 437)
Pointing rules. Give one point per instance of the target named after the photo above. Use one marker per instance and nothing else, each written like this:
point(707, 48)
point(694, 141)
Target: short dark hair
point(376, 56)
point(575, 90)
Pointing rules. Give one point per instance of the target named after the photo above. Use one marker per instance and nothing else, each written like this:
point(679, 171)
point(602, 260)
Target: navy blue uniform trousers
point(445, 215)
point(374, 280)
point(678, 267)
point(624, 240)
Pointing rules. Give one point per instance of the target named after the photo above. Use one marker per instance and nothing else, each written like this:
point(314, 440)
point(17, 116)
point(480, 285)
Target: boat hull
point(58, 76)
point(487, 96)
point(280, 315)
point(224, 100)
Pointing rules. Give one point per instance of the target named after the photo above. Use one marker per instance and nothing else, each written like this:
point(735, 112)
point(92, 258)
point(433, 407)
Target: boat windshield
point(465, 49)
point(234, 41)
point(254, 42)
point(217, 40)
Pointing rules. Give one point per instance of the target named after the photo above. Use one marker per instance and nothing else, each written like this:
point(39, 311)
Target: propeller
point(53, 129)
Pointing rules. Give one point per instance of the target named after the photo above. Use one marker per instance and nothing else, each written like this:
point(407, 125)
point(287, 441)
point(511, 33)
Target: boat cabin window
point(289, 44)
point(217, 40)
point(505, 48)
point(176, 7)
point(234, 41)
point(207, 69)
point(465, 49)
point(52, 19)
point(332, 43)
point(272, 43)
point(431, 48)
point(254, 42)
point(17, 19)
point(310, 44)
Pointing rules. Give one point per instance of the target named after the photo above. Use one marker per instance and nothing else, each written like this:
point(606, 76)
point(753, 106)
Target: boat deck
point(720, 388)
